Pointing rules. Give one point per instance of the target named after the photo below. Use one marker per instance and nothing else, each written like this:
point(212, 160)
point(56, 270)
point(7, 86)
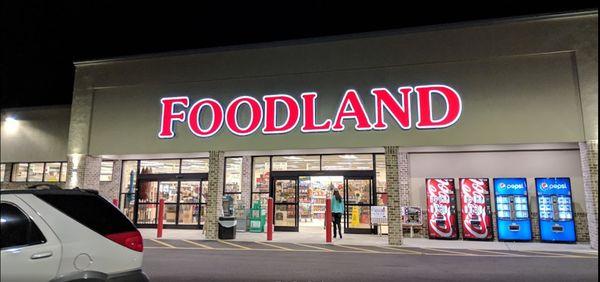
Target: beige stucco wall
point(520, 82)
point(41, 134)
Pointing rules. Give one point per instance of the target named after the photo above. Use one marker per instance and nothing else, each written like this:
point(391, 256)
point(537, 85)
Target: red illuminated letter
point(167, 116)
point(194, 118)
point(310, 109)
point(255, 115)
point(400, 112)
point(293, 114)
point(453, 106)
point(357, 112)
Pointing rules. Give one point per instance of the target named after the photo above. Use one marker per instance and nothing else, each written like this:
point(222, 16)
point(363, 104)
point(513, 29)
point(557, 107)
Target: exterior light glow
point(11, 125)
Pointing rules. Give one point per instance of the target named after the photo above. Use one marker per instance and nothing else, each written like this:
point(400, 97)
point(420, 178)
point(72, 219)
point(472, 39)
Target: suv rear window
point(90, 210)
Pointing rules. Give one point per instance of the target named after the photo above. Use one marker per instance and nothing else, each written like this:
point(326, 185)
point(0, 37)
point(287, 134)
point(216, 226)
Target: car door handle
point(41, 255)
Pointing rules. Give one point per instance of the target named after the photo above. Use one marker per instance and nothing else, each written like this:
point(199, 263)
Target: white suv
point(55, 234)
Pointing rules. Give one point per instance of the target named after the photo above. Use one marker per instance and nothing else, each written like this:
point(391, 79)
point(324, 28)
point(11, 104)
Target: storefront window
point(189, 192)
point(52, 172)
point(233, 175)
point(159, 166)
point(128, 176)
point(2, 169)
point(35, 172)
point(106, 170)
point(380, 177)
point(63, 172)
point(380, 173)
point(262, 198)
point(296, 163)
point(260, 174)
point(148, 192)
point(147, 213)
point(359, 217)
point(168, 191)
point(194, 166)
point(347, 162)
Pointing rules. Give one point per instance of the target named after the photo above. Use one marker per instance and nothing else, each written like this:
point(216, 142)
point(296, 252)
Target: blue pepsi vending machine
point(556, 209)
point(512, 208)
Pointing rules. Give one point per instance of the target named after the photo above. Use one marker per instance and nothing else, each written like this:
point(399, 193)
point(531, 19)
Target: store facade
point(376, 116)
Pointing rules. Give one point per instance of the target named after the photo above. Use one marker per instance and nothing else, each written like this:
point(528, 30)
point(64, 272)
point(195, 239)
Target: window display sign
point(555, 209)
point(512, 207)
point(441, 208)
point(280, 113)
point(379, 215)
point(475, 208)
point(412, 216)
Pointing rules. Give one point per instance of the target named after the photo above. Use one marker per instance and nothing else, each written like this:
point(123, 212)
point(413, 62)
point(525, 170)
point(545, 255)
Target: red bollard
point(328, 220)
point(116, 202)
point(270, 219)
point(159, 225)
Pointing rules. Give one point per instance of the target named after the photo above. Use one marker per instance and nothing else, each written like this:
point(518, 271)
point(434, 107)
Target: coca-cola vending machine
point(441, 208)
point(475, 208)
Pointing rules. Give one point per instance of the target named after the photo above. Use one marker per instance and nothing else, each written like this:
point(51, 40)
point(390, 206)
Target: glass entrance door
point(185, 202)
point(285, 199)
point(358, 198)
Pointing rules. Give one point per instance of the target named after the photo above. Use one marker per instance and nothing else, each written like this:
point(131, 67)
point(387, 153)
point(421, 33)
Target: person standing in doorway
point(337, 209)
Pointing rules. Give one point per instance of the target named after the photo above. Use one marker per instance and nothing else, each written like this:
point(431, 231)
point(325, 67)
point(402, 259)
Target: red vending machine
point(475, 208)
point(441, 208)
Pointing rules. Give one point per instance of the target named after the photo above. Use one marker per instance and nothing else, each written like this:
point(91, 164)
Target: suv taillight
point(132, 240)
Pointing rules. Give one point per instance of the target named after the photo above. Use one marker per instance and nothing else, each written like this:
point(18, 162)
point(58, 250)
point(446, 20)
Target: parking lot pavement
point(201, 260)
point(222, 245)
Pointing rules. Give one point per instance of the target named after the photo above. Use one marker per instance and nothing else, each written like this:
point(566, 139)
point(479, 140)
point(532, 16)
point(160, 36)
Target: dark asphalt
point(175, 264)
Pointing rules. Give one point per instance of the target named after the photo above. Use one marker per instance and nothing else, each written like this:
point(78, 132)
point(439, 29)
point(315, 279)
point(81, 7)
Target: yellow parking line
point(315, 247)
point(545, 253)
point(163, 243)
point(235, 245)
point(358, 249)
point(450, 252)
point(497, 253)
point(274, 246)
point(197, 244)
point(406, 251)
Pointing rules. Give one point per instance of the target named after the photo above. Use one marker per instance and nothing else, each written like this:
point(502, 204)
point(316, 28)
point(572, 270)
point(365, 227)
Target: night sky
point(41, 40)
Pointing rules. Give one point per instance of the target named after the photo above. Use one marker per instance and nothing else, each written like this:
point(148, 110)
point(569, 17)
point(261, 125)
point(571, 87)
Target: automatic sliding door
point(184, 199)
point(285, 204)
point(358, 199)
point(147, 202)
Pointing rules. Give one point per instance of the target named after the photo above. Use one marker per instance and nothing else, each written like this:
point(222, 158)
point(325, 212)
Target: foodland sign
point(302, 113)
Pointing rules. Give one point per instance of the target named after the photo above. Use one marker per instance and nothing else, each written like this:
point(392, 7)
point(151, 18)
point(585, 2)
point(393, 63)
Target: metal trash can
point(227, 225)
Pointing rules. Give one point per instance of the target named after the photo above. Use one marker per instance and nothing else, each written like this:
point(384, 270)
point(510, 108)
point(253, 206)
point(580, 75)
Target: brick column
point(214, 207)
point(110, 189)
point(392, 185)
point(6, 179)
point(83, 171)
point(589, 166)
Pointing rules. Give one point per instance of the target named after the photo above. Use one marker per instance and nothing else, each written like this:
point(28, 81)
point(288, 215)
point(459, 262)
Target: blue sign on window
point(512, 207)
point(556, 209)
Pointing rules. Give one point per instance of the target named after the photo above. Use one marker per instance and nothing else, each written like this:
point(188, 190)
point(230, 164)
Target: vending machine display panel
point(512, 207)
point(555, 209)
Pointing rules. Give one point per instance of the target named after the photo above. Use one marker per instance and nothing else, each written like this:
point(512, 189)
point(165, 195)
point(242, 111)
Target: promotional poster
point(441, 208)
point(475, 208)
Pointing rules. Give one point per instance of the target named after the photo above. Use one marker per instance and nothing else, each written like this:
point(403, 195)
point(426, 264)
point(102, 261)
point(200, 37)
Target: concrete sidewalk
point(317, 236)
